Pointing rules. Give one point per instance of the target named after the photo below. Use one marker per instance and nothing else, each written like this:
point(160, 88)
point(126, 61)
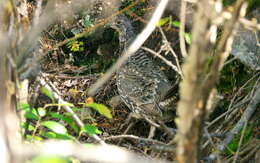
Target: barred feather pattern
point(140, 82)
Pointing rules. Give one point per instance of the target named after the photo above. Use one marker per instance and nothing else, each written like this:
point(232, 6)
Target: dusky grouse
point(141, 84)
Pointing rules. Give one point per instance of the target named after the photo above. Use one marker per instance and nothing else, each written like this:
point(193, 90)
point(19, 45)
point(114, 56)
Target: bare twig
point(37, 12)
point(169, 63)
point(134, 137)
point(250, 24)
point(240, 90)
point(133, 47)
point(240, 142)
point(182, 28)
point(172, 51)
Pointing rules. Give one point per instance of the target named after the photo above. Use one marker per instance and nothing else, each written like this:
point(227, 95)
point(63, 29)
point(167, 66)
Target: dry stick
point(140, 39)
point(66, 107)
point(250, 24)
point(239, 91)
point(191, 1)
point(240, 142)
point(257, 39)
point(37, 13)
point(192, 108)
point(210, 140)
point(243, 120)
point(251, 153)
point(172, 51)
point(134, 137)
point(169, 63)
point(182, 28)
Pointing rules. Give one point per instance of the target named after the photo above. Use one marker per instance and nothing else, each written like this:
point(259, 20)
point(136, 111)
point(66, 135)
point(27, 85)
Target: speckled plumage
point(141, 84)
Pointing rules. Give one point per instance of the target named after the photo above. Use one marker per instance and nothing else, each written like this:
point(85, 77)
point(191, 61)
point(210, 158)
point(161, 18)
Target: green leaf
point(49, 135)
point(30, 137)
point(32, 114)
point(163, 21)
point(52, 135)
point(102, 109)
point(47, 93)
point(91, 130)
point(75, 109)
point(49, 159)
point(64, 137)
point(176, 24)
point(187, 37)
point(30, 127)
point(23, 106)
point(66, 118)
point(41, 112)
point(55, 127)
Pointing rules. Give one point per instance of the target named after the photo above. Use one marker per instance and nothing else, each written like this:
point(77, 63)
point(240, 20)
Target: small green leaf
point(55, 127)
point(67, 118)
point(41, 112)
point(30, 127)
point(102, 109)
point(23, 106)
point(163, 21)
point(75, 46)
point(75, 109)
point(49, 135)
point(91, 130)
point(47, 93)
point(49, 159)
point(32, 114)
point(52, 135)
point(27, 126)
point(64, 137)
point(187, 37)
point(56, 115)
point(30, 137)
point(176, 24)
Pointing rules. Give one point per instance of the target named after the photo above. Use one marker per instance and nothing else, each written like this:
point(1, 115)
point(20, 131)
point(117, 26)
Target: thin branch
point(250, 24)
point(169, 63)
point(37, 13)
point(182, 28)
point(172, 51)
point(134, 137)
point(240, 142)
